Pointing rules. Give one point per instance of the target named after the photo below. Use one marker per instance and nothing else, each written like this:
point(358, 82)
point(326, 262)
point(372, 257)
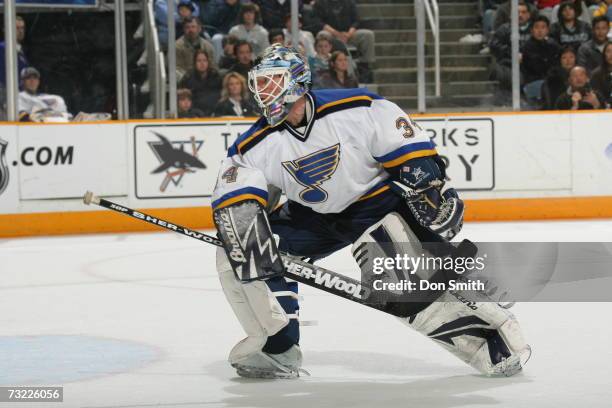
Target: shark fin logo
point(4, 170)
point(174, 159)
point(312, 170)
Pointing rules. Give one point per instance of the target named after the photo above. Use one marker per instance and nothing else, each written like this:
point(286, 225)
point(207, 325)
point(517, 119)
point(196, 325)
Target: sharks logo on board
point(176, 158)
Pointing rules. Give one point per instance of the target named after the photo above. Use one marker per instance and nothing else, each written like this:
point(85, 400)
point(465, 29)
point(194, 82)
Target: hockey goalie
point(356, 170)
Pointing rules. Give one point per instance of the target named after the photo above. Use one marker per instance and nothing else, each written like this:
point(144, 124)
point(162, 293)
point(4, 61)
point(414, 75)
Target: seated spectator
point(489, 9)
point(229, 52)
point(188, 44)
point(582, 11)
point(305, 38)
point(502, 15)
point(274, 12)
point(31, 101)
point(579, 94)
point(604, 8)
point(220, 16)
point(590, 53)
point(186, 9)
point(320, 62)
point(538, 54)
point(340, 19)
point(22, 61)
point(235, 99)
point(601, 79)
point(555, 82)
point(276, 36)
point(204, 82)
point(249, 30)
point(337, 76)
point(545, 7)
point(501, 48)
point(568, 30)
point(185, 105)
point(244, 59)
point(161, 19)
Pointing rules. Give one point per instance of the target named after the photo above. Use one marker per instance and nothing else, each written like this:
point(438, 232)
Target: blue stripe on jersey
point(409, 148)
point(245, 191)
point(325, 96)
point(258, 125)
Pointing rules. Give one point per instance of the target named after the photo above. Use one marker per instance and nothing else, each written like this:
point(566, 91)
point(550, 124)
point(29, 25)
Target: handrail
point(155, 63)
point(434, 22)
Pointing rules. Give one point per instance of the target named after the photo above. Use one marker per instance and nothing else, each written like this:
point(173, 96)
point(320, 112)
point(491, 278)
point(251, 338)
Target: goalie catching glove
point(420, 183)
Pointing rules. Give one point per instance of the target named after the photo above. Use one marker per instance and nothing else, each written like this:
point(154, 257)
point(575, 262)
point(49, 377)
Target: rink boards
point(510, 166)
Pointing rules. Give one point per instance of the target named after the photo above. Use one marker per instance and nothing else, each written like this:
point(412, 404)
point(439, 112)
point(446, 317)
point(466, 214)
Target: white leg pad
point(475, 329)
point(255, 306)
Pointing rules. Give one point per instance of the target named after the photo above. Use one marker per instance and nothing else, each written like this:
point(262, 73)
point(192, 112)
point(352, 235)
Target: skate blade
point(512, 365)
point(256, 372)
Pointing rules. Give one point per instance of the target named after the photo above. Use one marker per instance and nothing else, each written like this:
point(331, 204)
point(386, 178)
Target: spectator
point(249, 30)
point(185, 105)
point(579, 94)
point(220, 16)
point(234, 97)
point(545, 7)
point(340, 19)
point(555, 82)
point(337, 76)
point(305, 38)
point(489, 10)
point(186, 9)
point(244, 58)
point(161, 19)
point(22, 61)
point(502, 15)
point(229, 52)
point(188, 44)
point(602, 76)
point(276, 36)
point(590, 53)
point(274, 12)
point(320, 62)
point(604, 8)
point(31, 101)
point(203, 81)
point(501, 48)
point(568, 30)
point(538, 54)
point(582, 11)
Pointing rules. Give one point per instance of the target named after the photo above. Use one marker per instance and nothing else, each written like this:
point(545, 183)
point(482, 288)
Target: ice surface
point(139, 320)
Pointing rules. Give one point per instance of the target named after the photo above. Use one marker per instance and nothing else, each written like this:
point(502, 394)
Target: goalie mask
point(278, 79)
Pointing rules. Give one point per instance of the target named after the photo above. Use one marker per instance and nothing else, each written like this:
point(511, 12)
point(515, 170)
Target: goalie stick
point(296, 269)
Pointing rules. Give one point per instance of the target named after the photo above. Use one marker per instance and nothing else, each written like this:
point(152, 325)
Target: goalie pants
point(306, 233)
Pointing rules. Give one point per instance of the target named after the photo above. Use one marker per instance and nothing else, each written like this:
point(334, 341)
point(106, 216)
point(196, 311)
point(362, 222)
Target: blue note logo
point(312, 170)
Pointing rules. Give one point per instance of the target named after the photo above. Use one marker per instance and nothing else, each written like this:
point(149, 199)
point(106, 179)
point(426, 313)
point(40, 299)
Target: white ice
point(139, 320)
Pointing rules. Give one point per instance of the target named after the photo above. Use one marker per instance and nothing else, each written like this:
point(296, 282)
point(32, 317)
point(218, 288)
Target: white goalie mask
point(277, 80)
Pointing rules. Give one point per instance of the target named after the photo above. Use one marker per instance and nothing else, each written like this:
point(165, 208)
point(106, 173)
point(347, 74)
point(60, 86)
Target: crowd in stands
point(31, 101)
point(218, 42)
point(565, 52)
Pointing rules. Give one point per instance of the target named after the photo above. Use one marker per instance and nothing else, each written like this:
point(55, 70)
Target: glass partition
point(66, 61)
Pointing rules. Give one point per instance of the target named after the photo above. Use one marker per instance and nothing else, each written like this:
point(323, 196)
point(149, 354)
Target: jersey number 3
point(407, 125)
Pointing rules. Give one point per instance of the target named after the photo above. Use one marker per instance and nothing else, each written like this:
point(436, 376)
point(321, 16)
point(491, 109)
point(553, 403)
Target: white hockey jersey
point(338, 158)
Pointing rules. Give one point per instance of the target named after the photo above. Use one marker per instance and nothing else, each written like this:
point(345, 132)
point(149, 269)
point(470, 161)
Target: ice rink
point(139, 320)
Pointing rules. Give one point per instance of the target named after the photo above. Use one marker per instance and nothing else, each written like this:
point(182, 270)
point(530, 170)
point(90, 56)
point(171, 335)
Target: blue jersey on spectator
point(22, 62)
